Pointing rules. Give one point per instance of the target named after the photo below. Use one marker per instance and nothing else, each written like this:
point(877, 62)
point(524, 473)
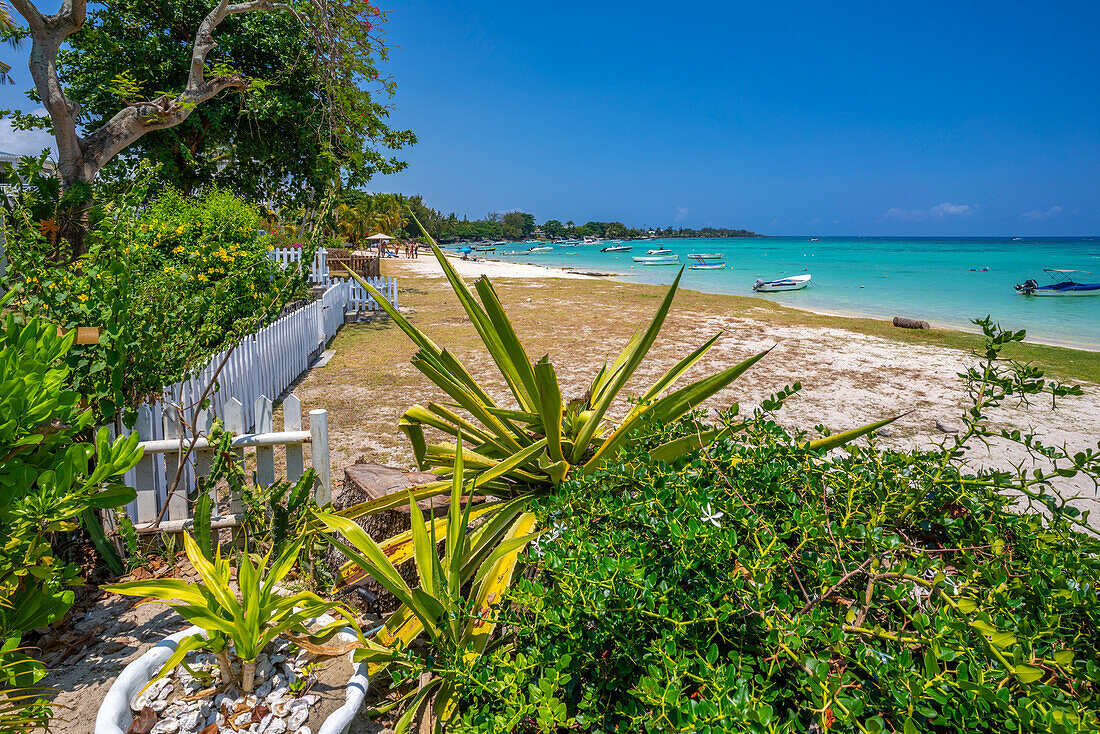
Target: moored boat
point(701, 263)
point(793, 283)
point(543, 248)
point(707, 256)
point(617, 248)
point(654, 258)
point(1063, 285)
point(661, 251)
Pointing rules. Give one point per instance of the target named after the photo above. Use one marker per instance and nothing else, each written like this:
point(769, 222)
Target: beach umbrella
point(380, 237)
point(465, 249)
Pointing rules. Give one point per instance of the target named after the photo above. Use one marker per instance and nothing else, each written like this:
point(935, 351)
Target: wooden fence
point(259, 370)
point(319, 274)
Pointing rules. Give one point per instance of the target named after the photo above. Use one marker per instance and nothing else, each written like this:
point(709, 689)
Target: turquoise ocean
point(925, 278)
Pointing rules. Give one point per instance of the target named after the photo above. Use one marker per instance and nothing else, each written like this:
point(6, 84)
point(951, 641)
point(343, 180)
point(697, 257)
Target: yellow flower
point(201, 276)
point(177, 250)
point(82, 297)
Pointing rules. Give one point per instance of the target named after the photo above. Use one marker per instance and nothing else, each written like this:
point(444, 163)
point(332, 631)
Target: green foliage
point(517, 225)
point(49, 478)
point(761, 586)
point(292, 124)
point(167, 284)
point(458, 627)
point(242, 625)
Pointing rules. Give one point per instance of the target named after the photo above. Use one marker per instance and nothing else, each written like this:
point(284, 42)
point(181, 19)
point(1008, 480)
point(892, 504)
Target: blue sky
point(786, 118)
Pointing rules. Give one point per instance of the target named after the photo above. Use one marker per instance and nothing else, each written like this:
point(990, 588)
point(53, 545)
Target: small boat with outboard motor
point(707, 256)
point(660, 251)
point(794, 283)
point(617, 248)
point(542, 248)
point(657, 259)
point(701, 263)
point(1063, 285)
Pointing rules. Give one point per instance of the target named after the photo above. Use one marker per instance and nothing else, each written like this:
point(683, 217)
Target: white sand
point(426, 265)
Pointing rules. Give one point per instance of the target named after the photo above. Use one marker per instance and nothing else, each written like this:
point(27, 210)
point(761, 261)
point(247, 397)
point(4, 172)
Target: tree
point(517, 225)
point(267, 144)
point(553, 228)
point(343, 34)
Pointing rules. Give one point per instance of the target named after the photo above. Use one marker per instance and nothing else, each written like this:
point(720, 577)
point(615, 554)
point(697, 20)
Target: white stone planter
point(114, 715)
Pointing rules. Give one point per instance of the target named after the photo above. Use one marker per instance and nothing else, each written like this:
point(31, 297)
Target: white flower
point(709, 515)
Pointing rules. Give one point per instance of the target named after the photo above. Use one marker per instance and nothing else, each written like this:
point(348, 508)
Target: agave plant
point(249, 623)
point(545, 438)
point(438, 608)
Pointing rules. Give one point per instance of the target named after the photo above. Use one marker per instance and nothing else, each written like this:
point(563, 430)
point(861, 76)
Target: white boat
point(702, 264)
point(794, 283)
point(655, 263)
point(1063, 285)
point(590, 241)
point(543, 248)
point(656, 258)
point(707, 256)
point(661, 251)
point(617, 248)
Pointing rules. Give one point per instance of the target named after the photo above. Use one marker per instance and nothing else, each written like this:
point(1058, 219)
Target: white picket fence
point(156, 471)
point(260, 369)
point(319, 275)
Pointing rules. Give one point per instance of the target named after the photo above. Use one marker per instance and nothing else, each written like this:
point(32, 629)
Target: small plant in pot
point(235, 629)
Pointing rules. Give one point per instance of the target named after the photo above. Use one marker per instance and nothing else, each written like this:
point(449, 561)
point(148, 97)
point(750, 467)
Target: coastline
point(495, 268)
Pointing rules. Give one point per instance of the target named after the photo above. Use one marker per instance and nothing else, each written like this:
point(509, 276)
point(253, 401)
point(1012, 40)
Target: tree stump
point(905, 323)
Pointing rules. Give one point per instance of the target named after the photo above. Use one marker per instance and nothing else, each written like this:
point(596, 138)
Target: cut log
point(906, 323)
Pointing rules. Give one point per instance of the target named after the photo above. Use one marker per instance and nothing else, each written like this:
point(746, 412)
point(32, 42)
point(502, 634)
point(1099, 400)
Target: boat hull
point(784, 284)
point(617, 248)
point(706, 267)
point(707, 256)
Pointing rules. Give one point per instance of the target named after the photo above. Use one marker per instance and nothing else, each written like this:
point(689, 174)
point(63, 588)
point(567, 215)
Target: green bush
point(50, 482)
point(761, 586)
point(168, 283)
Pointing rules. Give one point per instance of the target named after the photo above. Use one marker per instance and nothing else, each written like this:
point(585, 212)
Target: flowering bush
point(168, 283)
point(208, 243)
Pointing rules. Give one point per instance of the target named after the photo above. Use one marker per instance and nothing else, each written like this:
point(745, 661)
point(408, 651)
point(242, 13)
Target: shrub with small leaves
point(762, 586)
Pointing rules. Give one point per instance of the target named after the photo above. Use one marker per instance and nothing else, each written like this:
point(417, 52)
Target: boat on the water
point(703, 264)
point(1063, 285)
point(707, 256)
point(543, 248)
point(486, 248)
point(617, 248)
point(794, 283)
point(660, 261)
point(661, 251)
point(656, 259)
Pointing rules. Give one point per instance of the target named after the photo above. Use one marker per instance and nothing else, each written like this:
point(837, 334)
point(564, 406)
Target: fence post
point(177, 501)
point(322, 465)
point(144, 482)
point(292, 421)
point(265, 455)
point(234, 423)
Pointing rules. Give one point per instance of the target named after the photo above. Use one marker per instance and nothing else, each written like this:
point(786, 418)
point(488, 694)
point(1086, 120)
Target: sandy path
point(426, 265)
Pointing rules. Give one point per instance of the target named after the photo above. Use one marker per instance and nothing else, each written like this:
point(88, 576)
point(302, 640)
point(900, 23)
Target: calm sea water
point(925, 278)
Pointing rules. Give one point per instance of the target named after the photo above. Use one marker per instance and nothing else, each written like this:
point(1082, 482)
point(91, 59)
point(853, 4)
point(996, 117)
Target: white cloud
point(681, 212)
point(814, 222)
point(1036, 214)
point(940, 211)
point(26, 142)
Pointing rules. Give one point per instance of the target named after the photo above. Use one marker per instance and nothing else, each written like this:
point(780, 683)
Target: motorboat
point(542, 248)
point(794, 283)
point(485, 248)
point(617, 248)
point(702, 264)
point(707, 256)
point(590, 241)
point(1063, 285)
point(656, 258)
point(661, 251)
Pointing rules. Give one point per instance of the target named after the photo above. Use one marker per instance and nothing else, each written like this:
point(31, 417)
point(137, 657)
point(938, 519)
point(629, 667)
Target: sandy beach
point(849, 378)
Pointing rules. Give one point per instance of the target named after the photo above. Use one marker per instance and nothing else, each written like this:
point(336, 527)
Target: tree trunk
point(72, 221)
